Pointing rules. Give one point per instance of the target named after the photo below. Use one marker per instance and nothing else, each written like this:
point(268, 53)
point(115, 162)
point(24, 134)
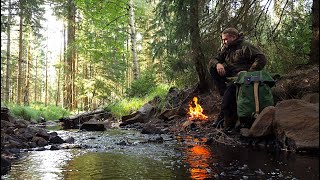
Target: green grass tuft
point(37, 110)
point(129, 105)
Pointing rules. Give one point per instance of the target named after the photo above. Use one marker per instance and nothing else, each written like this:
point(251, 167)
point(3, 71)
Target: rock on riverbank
point(18, 134)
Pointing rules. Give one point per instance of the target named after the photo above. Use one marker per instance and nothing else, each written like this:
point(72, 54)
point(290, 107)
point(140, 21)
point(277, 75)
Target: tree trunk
point(64, 91)
point(314, 58)
point(19, 79)
point(8, 71)
point(85, 99)
point(197, 54)
point(58, 79)
point(36, 80)
point(74, 87)
point(26, 92)
point(70, 55)
point(46, 79)
point(129, 75)
point(133, 41)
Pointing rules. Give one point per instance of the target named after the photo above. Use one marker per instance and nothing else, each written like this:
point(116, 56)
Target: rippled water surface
point(125, 154)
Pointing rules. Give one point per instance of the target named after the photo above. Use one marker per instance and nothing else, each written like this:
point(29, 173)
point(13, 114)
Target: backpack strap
point(256, 97)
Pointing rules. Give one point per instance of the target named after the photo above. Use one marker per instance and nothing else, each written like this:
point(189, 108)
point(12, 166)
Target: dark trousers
point(228, 91)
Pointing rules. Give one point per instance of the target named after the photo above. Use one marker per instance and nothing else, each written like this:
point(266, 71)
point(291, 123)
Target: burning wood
point(195, 110)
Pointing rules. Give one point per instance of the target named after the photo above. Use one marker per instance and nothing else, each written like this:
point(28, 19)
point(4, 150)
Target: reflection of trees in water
point(199, 157)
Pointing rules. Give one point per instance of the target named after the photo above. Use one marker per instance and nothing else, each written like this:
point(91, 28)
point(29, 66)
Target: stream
point(128, 154)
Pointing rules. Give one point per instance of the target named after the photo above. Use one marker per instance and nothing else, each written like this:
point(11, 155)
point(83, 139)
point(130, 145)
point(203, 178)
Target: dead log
point(142, 115)
point(74, 122)
point(93, 126)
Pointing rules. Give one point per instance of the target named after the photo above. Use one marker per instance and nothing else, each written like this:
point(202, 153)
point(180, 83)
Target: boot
point(229, 124)
point(219, 122)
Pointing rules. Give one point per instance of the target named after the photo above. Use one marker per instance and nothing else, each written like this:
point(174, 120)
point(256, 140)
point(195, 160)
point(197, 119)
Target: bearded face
point(227, 39)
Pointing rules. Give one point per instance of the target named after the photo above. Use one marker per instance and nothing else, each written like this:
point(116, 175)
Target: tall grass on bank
point(131, 104)
point(118, 109)
point(37, 110)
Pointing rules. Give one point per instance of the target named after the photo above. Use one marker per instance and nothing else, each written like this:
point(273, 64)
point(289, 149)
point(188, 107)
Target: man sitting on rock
point(235, 55)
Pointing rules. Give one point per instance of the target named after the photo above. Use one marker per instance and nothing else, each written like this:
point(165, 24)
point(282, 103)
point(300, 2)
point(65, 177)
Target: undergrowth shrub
point(143, 85)
point(24, 112)
point(37, 110)
point(129, 105)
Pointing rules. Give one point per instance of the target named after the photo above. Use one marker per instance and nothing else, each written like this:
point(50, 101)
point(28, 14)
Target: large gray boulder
point(296, 124)
point(262, 126)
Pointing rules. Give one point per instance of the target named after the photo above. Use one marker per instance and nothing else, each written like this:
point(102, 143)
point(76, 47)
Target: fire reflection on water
point(199, 157)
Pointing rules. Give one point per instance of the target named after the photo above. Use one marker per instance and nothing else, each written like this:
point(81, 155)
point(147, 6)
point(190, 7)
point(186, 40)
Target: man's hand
point(220, 69)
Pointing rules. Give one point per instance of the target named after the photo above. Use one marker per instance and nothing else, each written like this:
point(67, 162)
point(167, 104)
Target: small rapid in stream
point(128, 154)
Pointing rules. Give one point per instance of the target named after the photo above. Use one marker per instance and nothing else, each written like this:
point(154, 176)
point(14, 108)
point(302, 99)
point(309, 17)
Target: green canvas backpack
point(253, 93)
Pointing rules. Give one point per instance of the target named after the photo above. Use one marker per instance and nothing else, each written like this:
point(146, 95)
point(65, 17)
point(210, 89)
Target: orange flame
point(196, 112)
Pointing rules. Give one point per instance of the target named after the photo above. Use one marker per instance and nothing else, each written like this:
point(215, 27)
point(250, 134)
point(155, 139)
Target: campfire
point(195, 110)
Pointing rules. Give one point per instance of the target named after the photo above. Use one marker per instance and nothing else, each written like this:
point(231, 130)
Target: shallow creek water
point(127, 154)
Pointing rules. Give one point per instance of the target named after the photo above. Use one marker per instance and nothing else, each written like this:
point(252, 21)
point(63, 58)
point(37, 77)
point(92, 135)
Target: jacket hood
point(239, 40)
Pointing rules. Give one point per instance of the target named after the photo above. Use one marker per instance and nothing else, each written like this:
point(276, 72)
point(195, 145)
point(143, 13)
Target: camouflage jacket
point(240, 55)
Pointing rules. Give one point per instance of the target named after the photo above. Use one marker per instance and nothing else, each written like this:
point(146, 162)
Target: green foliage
point(100, 44)
point(170, 43)
point(37, 110)
point(159, 92)
point(129, 105)
point(291, 43)
point(143, 85)
point(51, 112)
point(125, 106)
point(24, 112)
point(181, 71)
point(33, 12)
